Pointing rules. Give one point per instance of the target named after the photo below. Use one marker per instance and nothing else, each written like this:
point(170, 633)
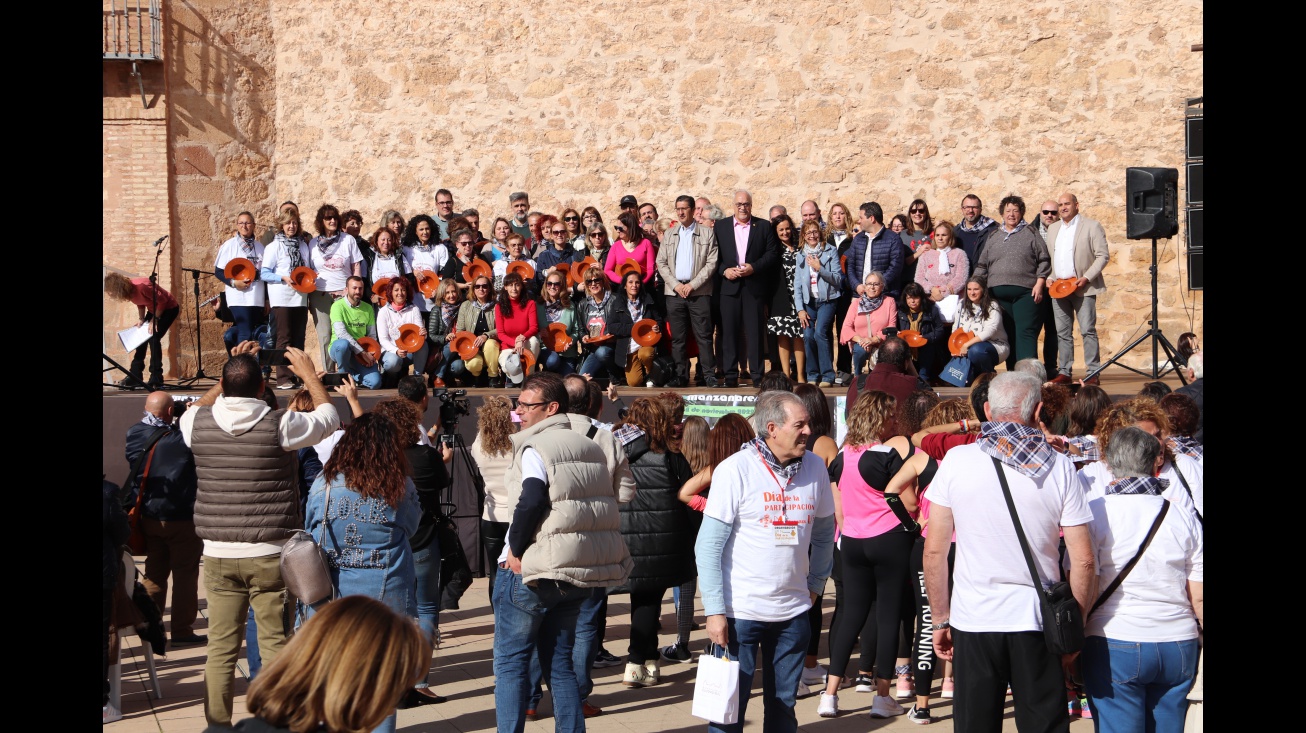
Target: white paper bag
point(716, 690)
point(948, 307)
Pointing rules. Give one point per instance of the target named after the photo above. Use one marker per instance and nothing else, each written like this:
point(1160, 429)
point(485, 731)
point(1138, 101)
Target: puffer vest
point(656, 524)
point(579, 542)
point(248, 485)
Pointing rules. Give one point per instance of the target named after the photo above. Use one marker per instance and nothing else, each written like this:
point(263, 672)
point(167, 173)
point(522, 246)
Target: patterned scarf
point(553, 311)
point(785, 472)
point(1149, 485)
point(482, 306)
point(980, 223)
point(636, 308)
point(291, 246)
point(1088, 448)
point(154, 422)
point(324, 242)
point(247, 247)
point(1185, 445)
point(1019, 446)
point(866, 305)
point(1013, 232)
point(597, 310)
point(449, 312)
point(627, 433)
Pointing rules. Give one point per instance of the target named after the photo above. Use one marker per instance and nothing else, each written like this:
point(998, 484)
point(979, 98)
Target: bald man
point(157, 451)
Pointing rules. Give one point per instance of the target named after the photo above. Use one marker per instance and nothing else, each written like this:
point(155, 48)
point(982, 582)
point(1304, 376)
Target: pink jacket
point(927, 272)
point(645, 254)
point(873, 323)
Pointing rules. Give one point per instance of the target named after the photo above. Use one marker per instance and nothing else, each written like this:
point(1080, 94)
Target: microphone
point(159, 241)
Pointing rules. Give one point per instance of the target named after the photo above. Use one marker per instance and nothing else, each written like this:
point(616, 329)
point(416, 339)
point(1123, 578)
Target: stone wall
point(376, 105)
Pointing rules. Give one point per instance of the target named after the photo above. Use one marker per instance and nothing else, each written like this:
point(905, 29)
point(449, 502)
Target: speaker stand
point(1154, 335)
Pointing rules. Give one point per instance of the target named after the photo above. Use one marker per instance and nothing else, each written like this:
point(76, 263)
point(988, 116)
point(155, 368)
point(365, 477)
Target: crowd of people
point(906, 515)
point(569, 292)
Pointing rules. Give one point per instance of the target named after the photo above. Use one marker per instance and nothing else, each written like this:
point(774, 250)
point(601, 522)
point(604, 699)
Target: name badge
point(786, 534)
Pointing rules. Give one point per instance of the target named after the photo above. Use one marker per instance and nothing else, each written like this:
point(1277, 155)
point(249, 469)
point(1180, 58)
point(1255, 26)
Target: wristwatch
point(941, 626)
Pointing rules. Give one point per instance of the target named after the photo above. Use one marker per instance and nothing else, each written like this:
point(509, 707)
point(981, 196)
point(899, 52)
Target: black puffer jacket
point(656, 524)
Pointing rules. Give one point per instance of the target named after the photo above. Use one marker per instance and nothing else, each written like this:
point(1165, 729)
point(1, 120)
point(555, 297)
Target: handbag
point(304, 565)
point(136, 540)
point(1120, 578)
point(957, 371)
point(1063, 622)
point(716, 688)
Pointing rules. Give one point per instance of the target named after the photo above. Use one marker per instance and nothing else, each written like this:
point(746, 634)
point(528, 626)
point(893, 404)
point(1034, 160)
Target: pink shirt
point(742, 231)
point(644, 254)
point(865, 512)
point(144, 295)
point(867, 324)
point(928, 276)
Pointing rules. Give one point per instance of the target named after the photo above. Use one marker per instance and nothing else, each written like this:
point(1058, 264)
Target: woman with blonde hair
point(153, 305)
point(601, 315)
point(492, 451)
point(287, 251)
point(476, 315)
point(342, 672)
point(555, 307)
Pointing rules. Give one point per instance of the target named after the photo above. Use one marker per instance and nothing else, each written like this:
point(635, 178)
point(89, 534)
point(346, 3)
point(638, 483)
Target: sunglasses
point(1049, 213)
point(559, 231)
point(571, 218)
point(618, 229)
point(593, 281)
point(917, 211)
point(482, 286)
point(553, 284)
point(330, 218)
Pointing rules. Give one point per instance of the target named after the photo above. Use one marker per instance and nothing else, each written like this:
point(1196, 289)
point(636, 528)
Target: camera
point(449, 439)
point(453, 404)
point(179, 405)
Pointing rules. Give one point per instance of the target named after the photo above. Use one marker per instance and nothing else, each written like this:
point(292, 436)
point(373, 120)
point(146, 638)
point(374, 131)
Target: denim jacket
point(367, 542)
point(828, 279)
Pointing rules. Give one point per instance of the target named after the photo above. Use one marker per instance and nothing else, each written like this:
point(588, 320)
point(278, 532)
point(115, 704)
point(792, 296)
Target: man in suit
point(1079, 253)
point(876, 249)
point(749, 254)
point(687, 261)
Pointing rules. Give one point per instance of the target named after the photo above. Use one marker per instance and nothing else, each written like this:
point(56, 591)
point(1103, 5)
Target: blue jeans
point(983, 359)
point(586, 648)
point(1138, 687)
point(860, 357)
point(393, 364)
point(784, 647)
point(426, 563)
point(446, 362)
point(525, 617)
point(343, 356)
point(601, 360)
point(247, 320)
point(558, 364)
point(816, 341)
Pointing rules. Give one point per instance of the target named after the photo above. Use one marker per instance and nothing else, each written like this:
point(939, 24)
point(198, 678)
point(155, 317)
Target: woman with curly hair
point(1184, 417)
point(363, 511)
point(423, 252)
point(1182, 473)
point(1086, 408)
point(154, 305)
point(492, 451)
point(656, 529)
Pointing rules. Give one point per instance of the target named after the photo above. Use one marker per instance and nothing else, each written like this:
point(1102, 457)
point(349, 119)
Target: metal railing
point(133, 30)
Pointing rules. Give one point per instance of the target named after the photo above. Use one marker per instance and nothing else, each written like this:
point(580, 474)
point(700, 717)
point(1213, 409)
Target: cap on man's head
point(629, 200)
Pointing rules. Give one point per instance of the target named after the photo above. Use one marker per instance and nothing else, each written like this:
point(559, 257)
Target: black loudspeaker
point(1194, 229)
point(1195, 270)
point(1194, 191)
point(1152, 196)
point(1193, 137)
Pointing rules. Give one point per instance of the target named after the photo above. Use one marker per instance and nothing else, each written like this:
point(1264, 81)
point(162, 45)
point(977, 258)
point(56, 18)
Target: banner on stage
point(712, 407)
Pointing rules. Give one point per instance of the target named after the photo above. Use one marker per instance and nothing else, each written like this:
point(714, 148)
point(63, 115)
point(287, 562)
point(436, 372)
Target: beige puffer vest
point(248, 484)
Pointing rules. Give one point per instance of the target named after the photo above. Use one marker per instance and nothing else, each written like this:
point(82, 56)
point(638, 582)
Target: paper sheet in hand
point(133, 337)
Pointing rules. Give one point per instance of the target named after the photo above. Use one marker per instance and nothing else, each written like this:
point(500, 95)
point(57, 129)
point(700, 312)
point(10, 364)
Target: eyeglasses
point(330, 217)
point(968, 208)
point(521, 404)
point(444, 203)
point(593, 281)
point(877, 286)
point(618, 229)
point(552, 284)
point(571, 218)
point(1049, 213)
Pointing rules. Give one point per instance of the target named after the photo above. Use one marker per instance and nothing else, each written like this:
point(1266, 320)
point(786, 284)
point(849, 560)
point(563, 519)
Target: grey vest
point(248, 484)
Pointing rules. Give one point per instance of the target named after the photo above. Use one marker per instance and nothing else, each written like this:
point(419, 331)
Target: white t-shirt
point(992, 590)
point(230, 250)
point(1152, 603)
point(765, 581)
point(385, 266)
point(336, 264)
point(1095, 476)
point(532, 466)
point(277, 258)
point(417, 261)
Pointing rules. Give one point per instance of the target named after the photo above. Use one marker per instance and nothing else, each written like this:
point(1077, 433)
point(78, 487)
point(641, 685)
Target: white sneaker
point(803, 690)
point(635, 675)
point(829, 706)
point(652, 671)
point(865, 683)
point(886, 707)
point(112, 714)
point(815, 675)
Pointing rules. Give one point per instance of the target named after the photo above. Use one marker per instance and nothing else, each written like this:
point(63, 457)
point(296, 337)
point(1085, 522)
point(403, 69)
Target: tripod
point(199, 339)
point(1155, 336)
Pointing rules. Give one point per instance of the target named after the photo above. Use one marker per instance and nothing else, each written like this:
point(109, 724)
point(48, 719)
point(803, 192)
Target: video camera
point(453, 404)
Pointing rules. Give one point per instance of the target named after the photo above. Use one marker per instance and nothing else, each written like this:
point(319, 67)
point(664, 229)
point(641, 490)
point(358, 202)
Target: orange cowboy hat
point(523, 268)
point(410, 337)
point(303, 279)
point(556, 338)
point(643, 334)
point(240, 269)
point(564, 269)
point(628, 267)
point(427, 282)
point(463, 344)
point(382, 289)
point(372, 346)
point(577, 274)
point(527, 361)
point(1062, 288)
point(476, 268)
point(913, 338)
point(957, 339)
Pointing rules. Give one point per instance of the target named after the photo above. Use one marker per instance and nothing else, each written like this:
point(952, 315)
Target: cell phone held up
point(272, 357)
point(333, 379)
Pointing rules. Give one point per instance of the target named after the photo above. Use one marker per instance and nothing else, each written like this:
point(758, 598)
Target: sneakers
point(842, 379)
point(814, 676)
point(824, 384)
point(803, 690)
point(653, 670)
point(1085, 711)
point(675, 653)
point(905, 686)
point(918, 716)
point(604, 659)
point(864, 683)
point(886, 707)
point(287, 385)
point(640, 675)
point(829, 706)
point(949, 687)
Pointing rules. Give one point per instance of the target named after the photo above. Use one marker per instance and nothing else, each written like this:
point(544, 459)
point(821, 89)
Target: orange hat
point(557, 339)
point(643, 334)
point(523, 268)
point(957, 339)
point(427, 282)
point(410, 337)
point(240, 269)
point(527, 361)
point(303, 279)
point(1062, 288)
point(463, 344)
point(564, 269)
point(382, 287)
point(577, 274)
point(913, 338)
point(371, 345)
point(628, 267)
point(476, 268)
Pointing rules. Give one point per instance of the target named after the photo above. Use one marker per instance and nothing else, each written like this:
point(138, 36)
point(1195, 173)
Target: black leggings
point(874, 571)
point(645, 608)
point(923, 661)
point(493, 537)
point(867, 632)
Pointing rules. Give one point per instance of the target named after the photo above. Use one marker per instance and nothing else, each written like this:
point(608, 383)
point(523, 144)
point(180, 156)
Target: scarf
point(1088, 448)
point(324, 242)
point(424, 248)
point(1013, 232)
point(627, 433)
point(980, 223)
point(247, 247)
point(915, 321)
point(553, 311)
point(153, 421)
point(1185, 445)
point(399, 261)
point(1149, 485)
point(292, 250)
point(399, 308)
point(866, 305)
point(597, 309)
point(449, 313)
point(1019, 446)
point(636, 308)
point(482, 306)
point(943, 260)
point(785, 472)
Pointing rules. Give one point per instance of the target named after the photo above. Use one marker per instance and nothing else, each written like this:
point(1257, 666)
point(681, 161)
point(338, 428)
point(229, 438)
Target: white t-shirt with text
point(230, 250)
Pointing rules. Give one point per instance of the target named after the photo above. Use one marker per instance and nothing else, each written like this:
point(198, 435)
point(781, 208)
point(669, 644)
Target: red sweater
point(522, 323)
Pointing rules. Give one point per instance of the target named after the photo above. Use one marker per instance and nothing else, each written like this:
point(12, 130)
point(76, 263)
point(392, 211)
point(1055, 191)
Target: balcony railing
point(133, 30)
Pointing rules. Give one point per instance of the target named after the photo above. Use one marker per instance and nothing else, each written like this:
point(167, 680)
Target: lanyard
point(767, 466)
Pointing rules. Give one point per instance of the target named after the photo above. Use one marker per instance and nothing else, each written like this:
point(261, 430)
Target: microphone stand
point(199, 338)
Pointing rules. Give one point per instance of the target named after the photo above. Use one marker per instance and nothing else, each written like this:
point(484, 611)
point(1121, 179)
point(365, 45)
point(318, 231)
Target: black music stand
point(199, 337)
point(1155, 336)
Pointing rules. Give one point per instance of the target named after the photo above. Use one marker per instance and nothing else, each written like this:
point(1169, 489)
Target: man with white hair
point(770, 502)
point(748, 258)
point(1194, 390)
point(994, 617)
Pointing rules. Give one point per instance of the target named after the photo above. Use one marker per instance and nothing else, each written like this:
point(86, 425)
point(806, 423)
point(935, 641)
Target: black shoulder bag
point(1063, 622)
point(1120, 578)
